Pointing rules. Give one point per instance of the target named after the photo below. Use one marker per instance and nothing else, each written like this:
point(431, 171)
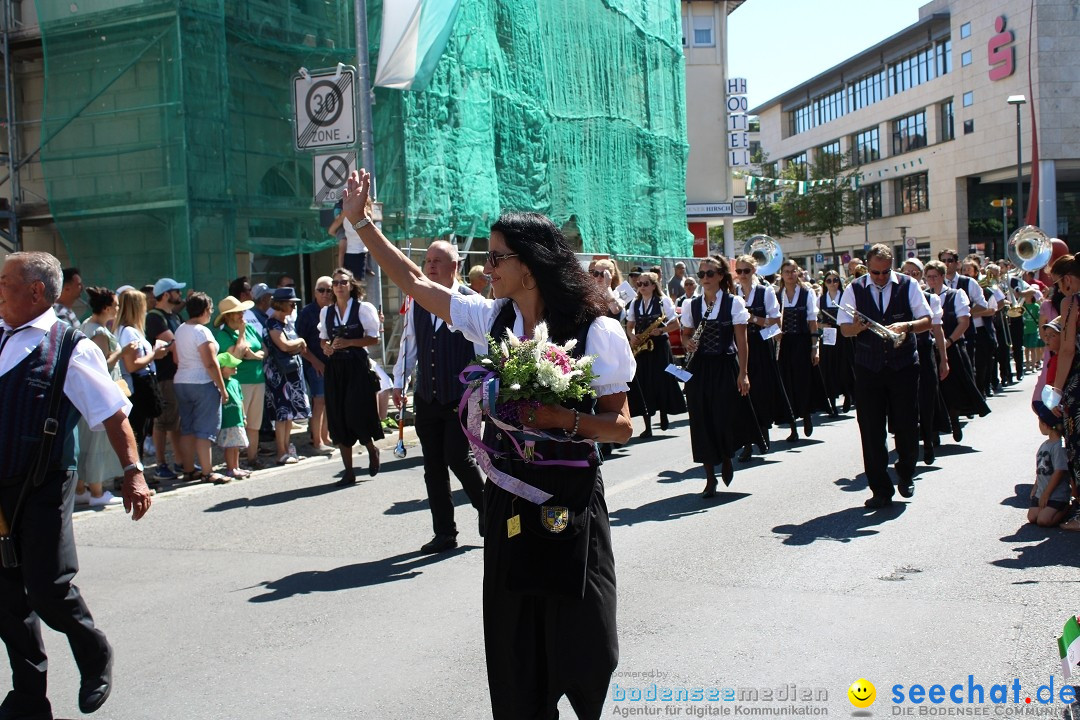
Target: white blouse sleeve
point(472, 315)
point(936, 313)
point(90, 388)
point(669, 308)
point(772, 307)
point(369, 318)
point(739, 314)
point(811, 305)
point(920, 308)
point(686, 318)
point(614, 365)
point(631, 316)
point(843, 317)
point(323, 334)
point(963, 305)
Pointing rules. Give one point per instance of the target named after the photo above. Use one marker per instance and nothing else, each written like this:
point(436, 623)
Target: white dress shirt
point(920, 308)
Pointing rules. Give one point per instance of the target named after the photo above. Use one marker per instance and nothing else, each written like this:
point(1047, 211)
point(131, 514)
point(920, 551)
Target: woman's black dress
point(654, 390)
point(802, 380)
point(767, 393)
point(352, 411)
point(549, 595)
point(961, 395)
point(837, 361)
point(722, 420)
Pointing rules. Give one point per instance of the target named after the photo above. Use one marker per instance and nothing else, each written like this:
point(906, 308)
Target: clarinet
point(689, 357)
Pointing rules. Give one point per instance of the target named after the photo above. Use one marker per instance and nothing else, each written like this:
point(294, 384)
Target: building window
point(969, 98)
point(947, 130)
point(965, 30)
point(912, 195)
point(703, 31)
point(867, 146)
point(965, 58)
point(801, 119)
point(867, 90)
point(943, 57)
point(912, 71)
point(969, 127)
point(798, 164)
point(828, 107)
point(828, 157)
point(868, 203)
point(909, 133)
point(685, 30)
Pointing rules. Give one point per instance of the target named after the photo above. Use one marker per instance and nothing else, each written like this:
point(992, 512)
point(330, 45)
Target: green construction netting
point(167, 138)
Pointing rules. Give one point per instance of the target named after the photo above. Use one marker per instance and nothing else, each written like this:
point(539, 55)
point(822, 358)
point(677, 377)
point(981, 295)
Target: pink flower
point(561, 359)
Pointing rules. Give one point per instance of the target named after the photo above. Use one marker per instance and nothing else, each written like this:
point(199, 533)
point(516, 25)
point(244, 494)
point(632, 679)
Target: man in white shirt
point(39, 587)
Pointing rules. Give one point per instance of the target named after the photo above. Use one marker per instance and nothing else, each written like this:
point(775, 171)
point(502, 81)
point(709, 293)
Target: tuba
point(1029, 250)
point(766, 253)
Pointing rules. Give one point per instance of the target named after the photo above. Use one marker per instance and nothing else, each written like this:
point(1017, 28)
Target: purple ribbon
point(480, 379)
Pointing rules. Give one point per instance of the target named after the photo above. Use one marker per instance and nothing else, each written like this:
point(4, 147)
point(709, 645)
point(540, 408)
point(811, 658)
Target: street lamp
point(1018, 100)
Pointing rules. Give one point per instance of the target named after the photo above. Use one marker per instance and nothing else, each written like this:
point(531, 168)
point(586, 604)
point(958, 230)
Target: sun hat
point(229, 304)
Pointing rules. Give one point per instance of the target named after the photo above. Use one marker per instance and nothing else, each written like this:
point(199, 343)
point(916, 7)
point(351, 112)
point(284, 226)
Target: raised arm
point(402, 271)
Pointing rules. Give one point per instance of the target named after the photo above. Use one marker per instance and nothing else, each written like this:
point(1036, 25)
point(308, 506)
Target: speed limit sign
point(324, 108)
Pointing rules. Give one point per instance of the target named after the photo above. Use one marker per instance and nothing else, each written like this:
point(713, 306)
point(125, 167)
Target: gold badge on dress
point(555, 518)
point(513, 526)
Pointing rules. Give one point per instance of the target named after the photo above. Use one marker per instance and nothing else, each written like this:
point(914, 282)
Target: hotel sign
point(738, 145)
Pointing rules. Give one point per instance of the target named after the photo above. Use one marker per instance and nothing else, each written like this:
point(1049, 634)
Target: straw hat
point(229, 304)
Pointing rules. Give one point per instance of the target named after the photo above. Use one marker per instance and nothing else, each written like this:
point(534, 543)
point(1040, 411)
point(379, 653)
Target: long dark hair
point(356, 290)
point(727, 283)
point(571, 298)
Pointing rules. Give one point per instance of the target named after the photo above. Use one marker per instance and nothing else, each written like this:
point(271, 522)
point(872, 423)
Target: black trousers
point(445, 448)
point(1016, 331)
point(1004, 348)
point(41, 588)
point(985, 359)
point(879, 395)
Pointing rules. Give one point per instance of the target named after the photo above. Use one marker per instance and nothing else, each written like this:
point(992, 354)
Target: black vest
point(828, 312)
point(990, 321)
point(949, 319)
point(871, 351)
point(718, 336)
point(441, 355)
point(755, 305)
point(24, 397)
point(353, 329)
point(969, 287)
point(795, 321)
point(549, 450)
point(926, 339)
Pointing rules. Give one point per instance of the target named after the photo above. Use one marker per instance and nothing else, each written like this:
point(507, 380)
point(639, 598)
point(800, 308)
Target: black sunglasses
point(702, 274)
point(341, 283)
point(832, 280)
point(880, 273)
point(949, 259)
point(643, 284)
point(744, 271)
point(324, 290)
point(596, 273)
point(494, 258)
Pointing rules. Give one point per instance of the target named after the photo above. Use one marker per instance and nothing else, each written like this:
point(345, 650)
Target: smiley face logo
point(862, 693)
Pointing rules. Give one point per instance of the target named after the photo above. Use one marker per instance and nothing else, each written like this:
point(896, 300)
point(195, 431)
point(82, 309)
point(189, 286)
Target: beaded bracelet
point(577, 422)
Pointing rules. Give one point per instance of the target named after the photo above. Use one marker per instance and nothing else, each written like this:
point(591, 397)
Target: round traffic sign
point(335, 171)
point(323, 103)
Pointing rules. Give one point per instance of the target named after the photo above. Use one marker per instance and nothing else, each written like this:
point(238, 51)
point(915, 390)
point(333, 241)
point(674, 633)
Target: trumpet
point(897, 339)
point(644, 338)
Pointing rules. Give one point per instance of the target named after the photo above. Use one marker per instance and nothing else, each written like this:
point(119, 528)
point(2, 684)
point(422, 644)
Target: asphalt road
point(283, 597)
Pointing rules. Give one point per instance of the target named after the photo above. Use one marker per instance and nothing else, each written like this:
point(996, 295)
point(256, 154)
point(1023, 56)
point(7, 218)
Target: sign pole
point(367, 145)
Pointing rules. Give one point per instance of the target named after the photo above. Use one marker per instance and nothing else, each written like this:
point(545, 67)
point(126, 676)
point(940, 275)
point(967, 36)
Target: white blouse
point(667, 307)
point(772, 307)
point(614, 366)
point(369, 318)
point(739, 314)
point(811, 301)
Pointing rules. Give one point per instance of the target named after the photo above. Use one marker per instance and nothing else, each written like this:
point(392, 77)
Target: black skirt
point(958, 388)
point(767, 392)
point(721, 420)
point(352, 408)
point(838, 367)
point(653, 389)
point(802, 380)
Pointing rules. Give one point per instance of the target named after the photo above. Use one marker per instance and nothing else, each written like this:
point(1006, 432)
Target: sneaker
point(390, 423)
point(107, 498)
point(179, 469)
point(287, 459)
point(323, 449)
point(82, 498)
point(292, 452)
point(164, 472)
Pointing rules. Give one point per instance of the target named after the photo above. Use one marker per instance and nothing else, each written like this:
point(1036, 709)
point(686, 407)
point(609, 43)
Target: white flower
point(503, 350)
point(540, 333)
point(485, 361)
point(569, 346)
point(513, 339)
point(515, 386)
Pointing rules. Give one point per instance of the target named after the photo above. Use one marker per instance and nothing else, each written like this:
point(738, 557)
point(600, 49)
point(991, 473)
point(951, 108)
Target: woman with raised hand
point(721, 416)
point(649, 318)
point(541, 590)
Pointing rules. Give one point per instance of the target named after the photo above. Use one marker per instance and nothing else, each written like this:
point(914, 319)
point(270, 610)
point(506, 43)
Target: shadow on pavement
point(347, 577)
point(947, 450)
point(844, 526)
point(404, 507)
point(855, 484)
point(275, 498)
point(672, 508)
point(1022, 498)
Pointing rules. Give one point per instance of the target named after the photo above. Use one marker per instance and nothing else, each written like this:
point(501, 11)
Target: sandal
point(216, 479)
point(1072, 523)
point(238, 474)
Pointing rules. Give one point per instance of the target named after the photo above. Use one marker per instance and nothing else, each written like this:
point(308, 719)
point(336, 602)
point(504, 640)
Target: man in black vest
point(440, 354)
point(886, 375)
point(39, 587)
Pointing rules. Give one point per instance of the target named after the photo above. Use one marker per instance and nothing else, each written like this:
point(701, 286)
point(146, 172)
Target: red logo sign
point(999, 51)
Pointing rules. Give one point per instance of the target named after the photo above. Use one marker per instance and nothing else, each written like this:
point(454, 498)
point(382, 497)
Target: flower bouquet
point(518, 373)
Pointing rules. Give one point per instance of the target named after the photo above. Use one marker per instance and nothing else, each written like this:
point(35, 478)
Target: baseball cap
point(164, 285)
point(1054, 324)
point(914, 261)
point(124, 288)
point(1046, 415)
point(260, 290)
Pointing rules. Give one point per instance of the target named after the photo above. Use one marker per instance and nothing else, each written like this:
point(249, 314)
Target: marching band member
point(967, 285)
point(838, 356)
point(605, 273)
point(649, 319)
point(958, 389)
point(933, 363)
point(1003, 374)
point(714, 330)
point(886, 374)
point(798, 357)
point(767, 395)
point(986, 340)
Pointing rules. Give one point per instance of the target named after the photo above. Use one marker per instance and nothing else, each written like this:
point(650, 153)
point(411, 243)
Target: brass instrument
point(644, 338)
point(1029, 250)
point(897, 339)
point(767, 254)
point(696, 337)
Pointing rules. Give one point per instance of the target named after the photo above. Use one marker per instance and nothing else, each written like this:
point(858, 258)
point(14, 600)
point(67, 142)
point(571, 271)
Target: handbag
point(121, 383)
point(147, 395)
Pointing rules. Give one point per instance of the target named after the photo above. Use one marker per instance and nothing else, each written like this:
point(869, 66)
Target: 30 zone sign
point(324, 109)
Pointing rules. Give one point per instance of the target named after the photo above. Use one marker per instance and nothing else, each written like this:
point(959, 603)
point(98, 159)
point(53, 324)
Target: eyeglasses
point(744, 271)
point(643, 284)
point(702, 274)
point(832, 280)
point(880, 273)
point(596, 273)
point(341, 283)
point(494, 258)
point(324, 290)
point(949, 259)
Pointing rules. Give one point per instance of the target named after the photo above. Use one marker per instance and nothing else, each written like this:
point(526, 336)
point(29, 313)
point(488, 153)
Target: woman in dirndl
point(798, 357)
point(722, 417)
point(933, 365)
point(649, 319)
point(767, 393)
point(837, 352)
point(347, 328)
point(549, 572)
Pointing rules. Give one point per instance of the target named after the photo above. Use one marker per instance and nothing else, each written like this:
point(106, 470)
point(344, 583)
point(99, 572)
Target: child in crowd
point(1050, 494)
point(233, 437)
point(1051, 336)
point(1033, 342)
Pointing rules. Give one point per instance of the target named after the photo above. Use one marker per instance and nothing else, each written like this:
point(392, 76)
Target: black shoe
point(746, 454)
point(808, 426)
point(928, 456)
point(794, 436)
point(663, 421)
point(482, 524)
point(347, 480)
point(94, 689)
point(710, 483)
point(878, 501)
point(647, 433)
point(439, 543)
point(957, 431)
point(906, 488)
point(727, 472)
point(847, 405)
point(373, 463)
point(15, 707)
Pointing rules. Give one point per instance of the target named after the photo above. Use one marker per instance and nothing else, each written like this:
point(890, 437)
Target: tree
point(831, 203)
